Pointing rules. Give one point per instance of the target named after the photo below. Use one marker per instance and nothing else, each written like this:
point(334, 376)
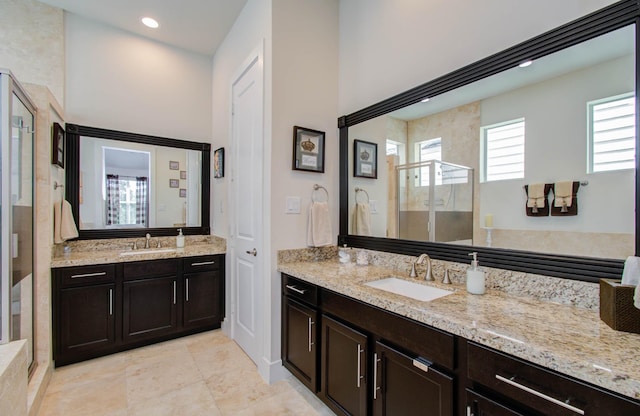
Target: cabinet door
point(405, 386)
point(299, 350)
point(479, 405)
point(344, 368)
point(149, 308)
point(202, 305)
point(86, 324)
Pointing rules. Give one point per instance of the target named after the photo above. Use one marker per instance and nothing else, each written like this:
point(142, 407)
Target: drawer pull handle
point(376, 360)
point(203, 263)
point(186, 281)
point(541, 395)
point(76, 276)
point(295, 289)
point(422, 364)
point(174, 292)
point(110, 302)
point(360, 377)
point(310, 337)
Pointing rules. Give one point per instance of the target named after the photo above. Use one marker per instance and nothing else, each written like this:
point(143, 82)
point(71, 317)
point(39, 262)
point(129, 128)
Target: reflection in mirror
point(125, 184)
point(456, 164)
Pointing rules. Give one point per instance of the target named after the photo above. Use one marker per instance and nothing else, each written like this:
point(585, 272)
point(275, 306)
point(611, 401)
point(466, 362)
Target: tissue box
point(616, 306)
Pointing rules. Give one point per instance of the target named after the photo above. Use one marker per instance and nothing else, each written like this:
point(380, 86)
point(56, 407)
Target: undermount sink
point(406, 288)
point(148, 251)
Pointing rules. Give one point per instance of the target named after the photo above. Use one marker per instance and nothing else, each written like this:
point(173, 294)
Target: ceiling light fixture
point(425, 100)
point(150, 22)
point(525, 63)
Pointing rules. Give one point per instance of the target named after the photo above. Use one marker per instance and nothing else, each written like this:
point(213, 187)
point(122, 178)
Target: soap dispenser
point(180, 239)
point(475, 277)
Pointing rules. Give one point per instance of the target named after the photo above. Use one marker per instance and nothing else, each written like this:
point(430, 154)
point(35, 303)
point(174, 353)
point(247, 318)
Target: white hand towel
point(563, 192)
point(64, 226)
point(535, 195)
point(319, 225)
point(361, 221)
point(631, 271)
point(636, 297)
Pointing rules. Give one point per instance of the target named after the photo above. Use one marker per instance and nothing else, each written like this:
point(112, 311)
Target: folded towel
point(563, 192)
point(361, 223)
point(64, 226)
point(631, 271)
point(319, 225)
point(535, 195)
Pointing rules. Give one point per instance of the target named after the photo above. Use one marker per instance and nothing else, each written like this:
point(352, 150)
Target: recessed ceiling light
point(150, 22)
point(425, 100)
point(525, 63)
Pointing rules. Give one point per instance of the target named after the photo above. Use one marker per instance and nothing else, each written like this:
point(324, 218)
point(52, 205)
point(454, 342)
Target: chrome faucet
point(146, 243)
point(428, 276)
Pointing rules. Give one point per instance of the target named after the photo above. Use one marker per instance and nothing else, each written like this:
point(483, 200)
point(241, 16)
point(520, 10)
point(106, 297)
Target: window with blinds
point(612, 133)
point(503, 151)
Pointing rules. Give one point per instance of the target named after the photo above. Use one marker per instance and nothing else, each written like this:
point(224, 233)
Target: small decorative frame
point(173, 165)
point(57, 145)
point(218, 163)
point(174, 183)
point(308, 149)
point(365, 159)
point(183, 174)
point(183, 193)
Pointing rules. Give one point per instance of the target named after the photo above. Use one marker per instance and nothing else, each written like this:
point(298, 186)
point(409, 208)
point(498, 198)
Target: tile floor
point(203, 374)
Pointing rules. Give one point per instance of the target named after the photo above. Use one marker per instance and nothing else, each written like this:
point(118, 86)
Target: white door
point(247, 197)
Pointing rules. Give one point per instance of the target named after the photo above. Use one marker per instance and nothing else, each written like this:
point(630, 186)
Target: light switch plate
point(373, 206)
point(292, 205)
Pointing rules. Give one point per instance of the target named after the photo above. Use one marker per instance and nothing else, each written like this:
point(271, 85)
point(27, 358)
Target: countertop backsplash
point(546, 288)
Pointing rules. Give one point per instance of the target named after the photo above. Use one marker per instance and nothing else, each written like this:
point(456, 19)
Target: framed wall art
point(365, 159)
point(174, 165)
point(174, 183)
point(308, 149)
point(57, 145)
point(218, 163)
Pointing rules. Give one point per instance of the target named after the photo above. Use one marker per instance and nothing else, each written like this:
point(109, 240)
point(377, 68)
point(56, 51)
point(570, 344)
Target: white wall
point(387, 47)
point(122, 81)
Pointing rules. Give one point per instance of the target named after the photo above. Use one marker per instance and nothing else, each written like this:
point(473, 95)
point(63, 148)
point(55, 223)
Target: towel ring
point(317, 187)
point(365, 192)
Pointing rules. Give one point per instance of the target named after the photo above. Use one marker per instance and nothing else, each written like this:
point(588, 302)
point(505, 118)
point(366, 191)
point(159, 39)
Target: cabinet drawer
point(154, 268)
point(540, 389)
point(300, 290)
point(201, 264)
point(87, 275)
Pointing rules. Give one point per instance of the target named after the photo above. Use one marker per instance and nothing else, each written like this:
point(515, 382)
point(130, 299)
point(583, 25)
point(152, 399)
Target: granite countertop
point(564, 338)
point(87, 253)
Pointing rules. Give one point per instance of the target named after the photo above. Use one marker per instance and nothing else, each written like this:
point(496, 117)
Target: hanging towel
point(361, 223)
point(64, 226)
point(563, 192)
point(535, 195)
point(319, 226)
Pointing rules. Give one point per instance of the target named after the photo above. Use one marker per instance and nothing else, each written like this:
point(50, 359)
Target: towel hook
point(318, 187)
point(362, 190)
point(57, 185)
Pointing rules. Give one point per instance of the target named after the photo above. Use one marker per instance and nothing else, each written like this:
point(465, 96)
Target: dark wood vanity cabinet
point(524, 388)
point(300, 331)
point(360, 369)
point(101, 309)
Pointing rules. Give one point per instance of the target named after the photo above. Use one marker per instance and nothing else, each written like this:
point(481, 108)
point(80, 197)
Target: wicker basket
point(616, 306)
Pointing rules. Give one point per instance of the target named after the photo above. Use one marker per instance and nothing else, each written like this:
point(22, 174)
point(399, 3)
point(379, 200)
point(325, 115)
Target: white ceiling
point(195, 25)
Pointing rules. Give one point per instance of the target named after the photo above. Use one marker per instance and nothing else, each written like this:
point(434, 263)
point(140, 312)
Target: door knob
point(253, 252)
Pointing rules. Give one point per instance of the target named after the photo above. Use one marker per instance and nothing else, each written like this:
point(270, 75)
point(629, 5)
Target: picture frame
point(183, 193)
point(174, 183)
point(218, 163)
point(57, 145)
point(174, 165)
point(365, 159)
point(183, 174)
point(308, 149)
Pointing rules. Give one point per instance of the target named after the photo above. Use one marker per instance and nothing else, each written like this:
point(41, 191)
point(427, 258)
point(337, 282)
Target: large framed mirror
point(457, 155)
point(122, 184)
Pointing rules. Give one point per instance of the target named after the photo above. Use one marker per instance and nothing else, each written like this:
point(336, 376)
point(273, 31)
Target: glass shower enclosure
point(17, 115)
point(435, 202)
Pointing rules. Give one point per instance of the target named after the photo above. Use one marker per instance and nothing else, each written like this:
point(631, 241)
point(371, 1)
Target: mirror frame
point(72, 180)
point(615, 16)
